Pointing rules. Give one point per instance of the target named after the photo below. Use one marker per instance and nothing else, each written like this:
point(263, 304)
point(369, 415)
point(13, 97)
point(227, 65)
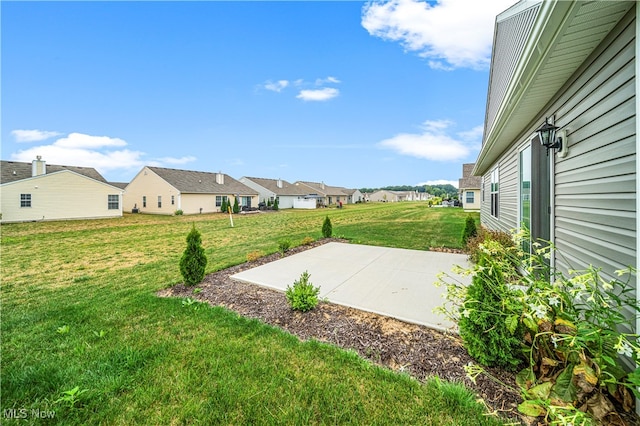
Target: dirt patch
point(414, 349)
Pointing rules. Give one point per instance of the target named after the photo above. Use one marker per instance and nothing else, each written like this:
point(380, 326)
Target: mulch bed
point(417, 350)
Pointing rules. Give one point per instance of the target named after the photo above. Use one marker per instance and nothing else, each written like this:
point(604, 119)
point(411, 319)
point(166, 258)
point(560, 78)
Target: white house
point(270, 189)
point(39, 191)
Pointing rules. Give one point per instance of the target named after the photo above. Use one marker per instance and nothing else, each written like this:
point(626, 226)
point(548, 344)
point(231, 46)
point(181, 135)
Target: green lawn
point(79, 310)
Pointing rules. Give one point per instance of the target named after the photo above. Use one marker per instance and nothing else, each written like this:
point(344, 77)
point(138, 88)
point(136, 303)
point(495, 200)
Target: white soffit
point(563, 35)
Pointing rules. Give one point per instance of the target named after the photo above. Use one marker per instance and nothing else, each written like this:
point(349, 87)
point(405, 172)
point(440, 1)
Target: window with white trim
point(470, 197)
point(495, 192)
point(159, 201)
point(25, 200)
point(113, 201)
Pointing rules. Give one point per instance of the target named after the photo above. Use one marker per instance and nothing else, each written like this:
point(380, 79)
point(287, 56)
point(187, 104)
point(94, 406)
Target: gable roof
point(272, 185)
point(13, 171)
point(468, 181)
point(321, 188)
point(537, 47)
point(195, 182)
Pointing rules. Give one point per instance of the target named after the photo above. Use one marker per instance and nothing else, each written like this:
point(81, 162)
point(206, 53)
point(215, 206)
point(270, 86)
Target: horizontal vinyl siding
point(59, 196)
point(595, 185)
point(508, 215)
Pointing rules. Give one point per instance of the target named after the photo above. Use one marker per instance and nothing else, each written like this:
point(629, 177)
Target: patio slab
point(389, 281)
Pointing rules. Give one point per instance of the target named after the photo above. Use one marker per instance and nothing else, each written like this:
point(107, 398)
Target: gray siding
point(595, 185)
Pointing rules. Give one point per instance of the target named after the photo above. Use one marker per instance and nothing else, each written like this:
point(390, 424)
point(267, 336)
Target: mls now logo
point(15, 413)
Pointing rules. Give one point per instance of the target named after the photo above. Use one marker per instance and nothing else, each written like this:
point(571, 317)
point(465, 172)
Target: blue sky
point(355, 94)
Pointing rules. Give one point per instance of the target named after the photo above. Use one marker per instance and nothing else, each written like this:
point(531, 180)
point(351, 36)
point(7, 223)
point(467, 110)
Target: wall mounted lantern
point(550, 140)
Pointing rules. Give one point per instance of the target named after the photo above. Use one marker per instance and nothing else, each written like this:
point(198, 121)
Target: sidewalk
point(394, 282)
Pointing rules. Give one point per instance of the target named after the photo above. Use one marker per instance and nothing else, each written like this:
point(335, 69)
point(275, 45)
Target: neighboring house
point(164, 191)
point(324, 194)
point(469, 188)
point(40, 191)
point(575, 64)
point(353, 195)
point(270, 189)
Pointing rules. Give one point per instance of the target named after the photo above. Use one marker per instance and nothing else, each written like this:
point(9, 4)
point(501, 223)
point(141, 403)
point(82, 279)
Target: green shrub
point(236, 206)
point(307, 240)
point(284, 246)
point(327, 228)
point(483, 325)
point(224, 207)
point(302, 296)
point(470, 230)
point(483, 235)
point(275, 204)
point(179, 212)
point(193, 260)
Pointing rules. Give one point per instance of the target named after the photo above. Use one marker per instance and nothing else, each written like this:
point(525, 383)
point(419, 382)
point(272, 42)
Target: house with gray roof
point(272, 189)
point(325, 195)
point(160, 190)
point(39, 191)
point(469, 188)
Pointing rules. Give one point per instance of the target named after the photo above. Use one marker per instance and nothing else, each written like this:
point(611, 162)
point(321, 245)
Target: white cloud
point(33, 135)
point(321, 81)
point(318, 94)
point(277, 86)
point(77, 149)
point(434, 143)
point(450, 33)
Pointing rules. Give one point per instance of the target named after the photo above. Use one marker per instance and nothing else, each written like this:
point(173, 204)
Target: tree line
point(443, 191)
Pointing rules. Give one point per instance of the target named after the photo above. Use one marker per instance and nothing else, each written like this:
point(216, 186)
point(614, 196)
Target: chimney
point(323, 185)
point(38, 166)
point(220, 178)
point(279, 183)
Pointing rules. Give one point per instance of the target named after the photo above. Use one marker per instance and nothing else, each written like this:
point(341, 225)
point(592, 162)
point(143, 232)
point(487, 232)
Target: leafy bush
point(302, 296)
point(575, 335)
point(254, 255)
point(473, 245)
point(470, 230)
point(224, 207)
point(236, 206)
point(284, 246)
point(193, 260)
point(179, 212)
point(307, 240)
point(276, 204)
point(327, 228)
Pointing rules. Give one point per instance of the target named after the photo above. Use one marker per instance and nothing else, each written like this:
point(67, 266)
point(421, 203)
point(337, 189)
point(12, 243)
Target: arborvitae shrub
point(482, 323)
point(193, 261)
point(224, 206)
point(236, 206)
point(302, 296)
point(327, 228)
point(470, 230)
point(275, 204)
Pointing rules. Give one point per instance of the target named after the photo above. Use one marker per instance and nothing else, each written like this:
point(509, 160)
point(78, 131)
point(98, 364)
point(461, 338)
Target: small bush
point(193, 260)
point(327, 228)
point(276, 204)
point(224, 207)
point(284, 246)
point(307, 240)
point(254, 255)
point(302, 296)
point(483, 235)
point(179, 212)
point(470, 230)
point(236, 206)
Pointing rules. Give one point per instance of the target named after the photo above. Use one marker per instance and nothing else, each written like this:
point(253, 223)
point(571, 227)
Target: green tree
point(470, 230)
point(275, 204)
point(193, 260)
point(224, 207)
point(236, 206)
point(327, 228)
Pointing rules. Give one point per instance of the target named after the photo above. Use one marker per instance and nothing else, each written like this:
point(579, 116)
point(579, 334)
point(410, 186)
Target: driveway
point(394, 282)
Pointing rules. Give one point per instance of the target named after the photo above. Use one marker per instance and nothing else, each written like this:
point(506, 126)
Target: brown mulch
point(417, 350)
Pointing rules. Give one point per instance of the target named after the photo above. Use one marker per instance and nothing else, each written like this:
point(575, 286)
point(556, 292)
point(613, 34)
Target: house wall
point(58, 196)
point(263, 193)
point(476, 199)
point(594, 201)
point(192, 203)
point(147, 183)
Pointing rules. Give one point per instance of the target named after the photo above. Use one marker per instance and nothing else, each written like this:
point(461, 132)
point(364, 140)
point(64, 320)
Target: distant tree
point(236, 205)
point(275, 204)
point(193, 261)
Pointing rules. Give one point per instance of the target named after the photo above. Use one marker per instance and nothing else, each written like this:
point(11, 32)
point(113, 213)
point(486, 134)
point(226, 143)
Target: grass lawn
point(79, 310)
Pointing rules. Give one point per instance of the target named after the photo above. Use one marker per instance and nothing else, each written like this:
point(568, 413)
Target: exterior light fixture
point(550, 138)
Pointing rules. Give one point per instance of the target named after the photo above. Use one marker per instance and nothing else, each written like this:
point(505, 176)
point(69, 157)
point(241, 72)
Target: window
point(525, 193)
point(159, 201)
point(245, 201)
point(220, 199)
point(470, 197)
point(495, 192)
point(113, 202)
point(144, 201)
point(25, 200)
point(173, 200)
